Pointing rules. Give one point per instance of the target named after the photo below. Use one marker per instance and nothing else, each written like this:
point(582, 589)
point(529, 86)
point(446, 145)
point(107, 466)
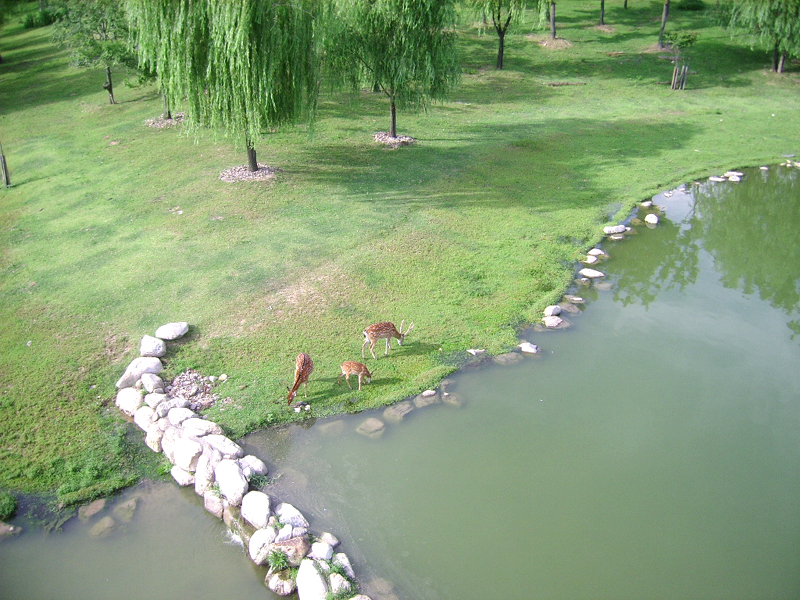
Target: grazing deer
point(350, 367)
point(302, 369)
point(383, 331)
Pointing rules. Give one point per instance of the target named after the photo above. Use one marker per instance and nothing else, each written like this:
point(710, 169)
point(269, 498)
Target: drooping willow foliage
point(774, 23)
point(503, 14)
point(246, 66)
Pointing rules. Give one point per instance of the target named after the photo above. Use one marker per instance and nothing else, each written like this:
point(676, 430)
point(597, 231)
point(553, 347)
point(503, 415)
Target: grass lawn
point(113, 228)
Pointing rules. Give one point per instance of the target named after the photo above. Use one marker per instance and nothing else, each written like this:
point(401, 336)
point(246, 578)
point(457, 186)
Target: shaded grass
point(113, 228)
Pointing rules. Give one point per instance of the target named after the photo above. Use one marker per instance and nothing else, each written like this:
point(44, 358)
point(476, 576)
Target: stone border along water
point(220, 472)
point(202, 456)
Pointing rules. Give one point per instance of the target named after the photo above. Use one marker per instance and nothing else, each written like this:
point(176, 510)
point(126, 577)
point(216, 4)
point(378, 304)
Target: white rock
point(321, 551)
point(765, 168)
point(144, 417)
point(428, 393)
point(213, 502)
point(182, 476)
point(129, 400)
point(287, 513)
point(311, 584)
point(203, 475)
point(186, 453)
point(329, 538)
point(591, 259)
point(281, 583)
point(552, 310)
point(715, 178)
point(138, 366)
point(338, 584)
point(285, 533)
point(256, 509)
point(341, 559)
point(176, 416)
point(197, 427)
point(153, 400)
point(476, 351)
point(652, 219)
point(153, 438)
point(590, 273)
point(152, 383)
point(167, 405)
point(172, 331)
point(226, 447)
point(734, 178)
point(152, 346)
point(614, 229)
point(733, 174)
point(232, 483)
point(552, 322)
point(260, 545)
point(529, 348)
point(168, 442)
point(596, 252)
point(646, 204)
point(252, 465)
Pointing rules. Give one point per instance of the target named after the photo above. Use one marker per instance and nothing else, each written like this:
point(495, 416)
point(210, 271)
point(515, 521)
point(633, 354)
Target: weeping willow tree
point(402, 48)
point(504, 13)
point(246, 66)
point(774, 23)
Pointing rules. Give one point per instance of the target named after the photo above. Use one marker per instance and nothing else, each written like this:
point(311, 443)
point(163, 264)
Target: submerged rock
point(397, 412)
point(103, 527)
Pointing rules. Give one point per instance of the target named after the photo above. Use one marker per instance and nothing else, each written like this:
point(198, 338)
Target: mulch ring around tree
point(393, 142)
point(162, 122)
point(243, 173)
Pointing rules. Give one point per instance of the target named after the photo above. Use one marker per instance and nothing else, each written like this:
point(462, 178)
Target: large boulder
point(154, 399)
point(338, 584)
point(340, 559)
point(162, 410)
point(172, 331)
point(137, 367)
point(281, 583)
point(371, 427)
point(591, 273)
point(129, 400)
point(153, 438)
point(397, 412)
point(186, 453)
point(203, 475)
point(169, 441)
point(226, 447)
point(213, 502)
point(196, 427)
point(288, 514)
point(152, 346)
point(152, 383)
point(256, 509)
point(252, 465)
point(261, 545)
point(181, 476)
point(294, 548)
point(232, 482)
point(311, 583)
point(177, 415)
point(321, 551)
point(103, 527)
point(144, 417)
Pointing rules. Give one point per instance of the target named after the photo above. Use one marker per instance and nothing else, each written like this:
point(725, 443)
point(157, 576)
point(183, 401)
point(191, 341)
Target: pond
point(652, 449)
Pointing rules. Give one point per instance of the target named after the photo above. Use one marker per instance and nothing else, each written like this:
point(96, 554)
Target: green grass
point(113, 228)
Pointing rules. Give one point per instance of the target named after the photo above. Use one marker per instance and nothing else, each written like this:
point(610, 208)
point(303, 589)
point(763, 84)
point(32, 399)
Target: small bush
point(278, 560)
point(691, 5)
point(40, 18)
point(8, 505)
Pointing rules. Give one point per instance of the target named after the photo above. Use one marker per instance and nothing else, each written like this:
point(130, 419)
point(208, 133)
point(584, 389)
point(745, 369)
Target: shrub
point(40, 18)
point(8, 505)
point(691, 5)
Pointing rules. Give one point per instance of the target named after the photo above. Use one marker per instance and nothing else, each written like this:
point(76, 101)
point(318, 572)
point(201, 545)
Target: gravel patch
point(394, 142)
point(161, 122)
point(243, 173)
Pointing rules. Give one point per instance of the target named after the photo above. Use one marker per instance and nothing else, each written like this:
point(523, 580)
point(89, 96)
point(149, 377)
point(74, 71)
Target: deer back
point(381, 331)
point(302, 369)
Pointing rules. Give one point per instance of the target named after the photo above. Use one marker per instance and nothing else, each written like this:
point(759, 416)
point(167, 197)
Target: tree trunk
point(167, 111)
point(552, 20)
point(602, 12)
point(782, 62)
point(500, 48)
point(625, 5)
point(252, 163)
point(4, 170)
point(393, 127)
point(108, 86)
point(663, 24)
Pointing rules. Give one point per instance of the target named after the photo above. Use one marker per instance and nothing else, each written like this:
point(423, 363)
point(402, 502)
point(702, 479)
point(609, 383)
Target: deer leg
point(366, 341)
point(305, 390)
point(372, 349)
point(359, 382)
point(387, 347)
point(347, 379)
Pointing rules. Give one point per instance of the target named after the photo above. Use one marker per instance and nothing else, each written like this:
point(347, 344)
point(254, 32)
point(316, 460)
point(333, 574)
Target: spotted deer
point(303, 368)
point(383, 331)
point(351, 367)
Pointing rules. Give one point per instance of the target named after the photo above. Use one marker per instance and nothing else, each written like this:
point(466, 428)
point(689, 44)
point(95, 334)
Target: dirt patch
point(162, 122)
point(548, 42)
point(393, 142)
point(243, 173)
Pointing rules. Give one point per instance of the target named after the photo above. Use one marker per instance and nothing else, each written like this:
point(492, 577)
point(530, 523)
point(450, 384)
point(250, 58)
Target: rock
point(87, 511)
point(590, 260)
point(9, 530)
point(213, 503)
point(281, 583)
point(716, 178)
point(651, 219)
point(646, 204)
point(252, 465)
point(286, 513)
point(568, 307)
point(574, 299)
point(197, 427)
point(611, 229)
point(341, 559)
point(617, 237)
point(152, 346)
point(172, 331)
point(144, 417)
point(168, 442)
point(284, 533)
point(103, 527)
point(261, 544)
point(338, 584)
point(311, 584)
point(203, 475)
point(129, 400)
point(372, 428)
point(256, 509)
point(329, 538)
point(590, 273)
point(295, 549)
point(511, 358)
point(154, 399)
point(529, 348)
point(552, 310)
point(453, 399)
point(181, 476)
point(186, 453)
point(476, 351)
point(154, 437)
point(226, 447)
point(137, 367)
point(552, 322)
point(124, 511)
point(597, 252)
point(397, 412)
point(152, 383)
point(321, 551)
point(232, 482)
point(176, 416)
point(422, 400)
point(163, 409)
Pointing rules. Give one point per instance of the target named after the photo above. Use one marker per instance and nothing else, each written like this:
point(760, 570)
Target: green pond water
point(652, 450)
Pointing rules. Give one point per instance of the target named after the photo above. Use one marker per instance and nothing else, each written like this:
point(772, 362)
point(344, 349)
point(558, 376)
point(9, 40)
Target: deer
point(351, 367)
point(383, 331)
point(303, 368)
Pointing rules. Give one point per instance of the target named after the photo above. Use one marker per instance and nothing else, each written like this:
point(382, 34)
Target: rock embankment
point(273, 533)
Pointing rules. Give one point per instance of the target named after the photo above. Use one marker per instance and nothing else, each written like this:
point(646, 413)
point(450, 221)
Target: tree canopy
point(774, 23)
point(503, 13)
point(244, 66)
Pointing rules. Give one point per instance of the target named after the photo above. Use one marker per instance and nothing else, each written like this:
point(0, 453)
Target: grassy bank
point(112, 228)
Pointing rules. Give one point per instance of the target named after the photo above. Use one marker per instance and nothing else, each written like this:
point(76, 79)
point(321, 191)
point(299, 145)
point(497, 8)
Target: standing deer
point(350, 367)
point(303, 368)
point(383, 331)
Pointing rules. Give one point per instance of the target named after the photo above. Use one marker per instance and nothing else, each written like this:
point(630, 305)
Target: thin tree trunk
point(782, 62)
point(501, 48)
point(552, 20)
point(663, 24)
point(167, 111)
point(4, 169)
point(602, 12)
point(109, 86)
point(393, 112)
point(625, 5)
point(252, 163)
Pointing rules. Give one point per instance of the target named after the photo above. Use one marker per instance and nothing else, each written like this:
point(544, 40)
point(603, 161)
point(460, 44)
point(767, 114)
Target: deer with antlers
point(303, 368)
point(383, 331)
point(351, 367)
